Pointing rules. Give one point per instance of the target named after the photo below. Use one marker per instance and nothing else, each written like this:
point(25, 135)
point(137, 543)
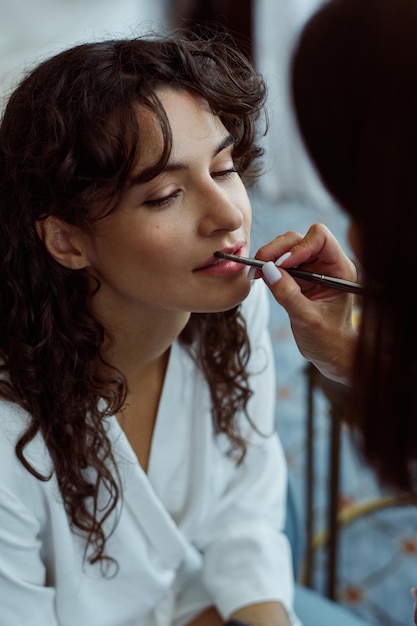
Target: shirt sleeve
point(247, 557)
point(24, 598)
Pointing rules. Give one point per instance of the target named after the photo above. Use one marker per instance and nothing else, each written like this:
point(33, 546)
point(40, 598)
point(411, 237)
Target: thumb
point(271, 273)
point(286, 292)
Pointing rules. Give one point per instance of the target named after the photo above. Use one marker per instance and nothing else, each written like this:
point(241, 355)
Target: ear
point(63, 242)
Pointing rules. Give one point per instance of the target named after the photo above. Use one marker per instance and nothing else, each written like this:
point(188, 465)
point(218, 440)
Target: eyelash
point(167, 200)
point(162, 202)
point(225, 174)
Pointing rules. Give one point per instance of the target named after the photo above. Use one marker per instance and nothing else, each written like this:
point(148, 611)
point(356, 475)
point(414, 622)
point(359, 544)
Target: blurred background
point(355, 543)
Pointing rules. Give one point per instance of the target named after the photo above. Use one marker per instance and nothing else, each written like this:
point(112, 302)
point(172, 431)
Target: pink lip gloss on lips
point(222, 266)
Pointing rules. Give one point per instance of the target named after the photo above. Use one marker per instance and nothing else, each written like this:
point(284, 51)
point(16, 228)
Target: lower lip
point(222, 269)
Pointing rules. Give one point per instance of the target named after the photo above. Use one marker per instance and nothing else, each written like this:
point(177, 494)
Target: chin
point(233, 298)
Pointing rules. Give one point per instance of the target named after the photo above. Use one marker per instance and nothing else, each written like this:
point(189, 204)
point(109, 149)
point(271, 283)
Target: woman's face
point(155, 252)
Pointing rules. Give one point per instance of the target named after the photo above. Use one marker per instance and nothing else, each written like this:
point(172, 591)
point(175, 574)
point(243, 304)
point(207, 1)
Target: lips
point(236, 249)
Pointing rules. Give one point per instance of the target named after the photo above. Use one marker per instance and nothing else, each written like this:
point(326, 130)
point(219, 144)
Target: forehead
point(189, 115)
point(192, 127)
point(151, 136)
point(175, 100)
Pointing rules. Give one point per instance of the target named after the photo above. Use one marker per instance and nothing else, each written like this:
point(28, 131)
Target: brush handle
point(328, 281)
point(320, 279)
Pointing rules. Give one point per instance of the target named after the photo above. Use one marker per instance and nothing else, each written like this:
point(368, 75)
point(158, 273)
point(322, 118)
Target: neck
point(134, 348)
point(141, 352)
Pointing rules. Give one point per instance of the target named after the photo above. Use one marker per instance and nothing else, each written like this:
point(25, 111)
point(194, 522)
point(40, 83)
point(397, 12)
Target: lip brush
point(312, 277)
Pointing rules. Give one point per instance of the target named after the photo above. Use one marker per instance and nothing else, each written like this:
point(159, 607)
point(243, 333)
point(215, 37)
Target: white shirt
point(197, 530)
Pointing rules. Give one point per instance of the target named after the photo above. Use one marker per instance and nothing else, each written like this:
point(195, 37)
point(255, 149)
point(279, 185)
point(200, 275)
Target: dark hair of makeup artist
point(354, 82)
point(69, 139)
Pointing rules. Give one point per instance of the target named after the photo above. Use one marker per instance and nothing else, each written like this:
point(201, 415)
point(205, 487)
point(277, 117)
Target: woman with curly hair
point(139, 480)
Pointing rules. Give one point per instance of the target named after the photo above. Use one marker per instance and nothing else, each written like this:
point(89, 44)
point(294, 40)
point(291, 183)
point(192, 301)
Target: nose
point(219, 211)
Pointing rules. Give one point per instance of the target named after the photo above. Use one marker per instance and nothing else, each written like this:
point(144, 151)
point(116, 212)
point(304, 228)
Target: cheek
point(163, 246)
point(247, 217)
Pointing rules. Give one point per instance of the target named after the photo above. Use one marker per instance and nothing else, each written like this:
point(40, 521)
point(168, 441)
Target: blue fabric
point(293, 527)
point(315, 610)
point(312, 608)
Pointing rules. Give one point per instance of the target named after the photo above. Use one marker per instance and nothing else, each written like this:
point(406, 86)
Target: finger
point(286, 291)
point(279, 246)
point(298, 297)
point(271, 273)
point(318, 242)
point(318, 251)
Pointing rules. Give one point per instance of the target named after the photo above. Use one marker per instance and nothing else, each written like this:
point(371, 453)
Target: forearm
point(262, 614)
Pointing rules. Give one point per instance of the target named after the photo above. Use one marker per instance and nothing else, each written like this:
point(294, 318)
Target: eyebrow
point(173, 166)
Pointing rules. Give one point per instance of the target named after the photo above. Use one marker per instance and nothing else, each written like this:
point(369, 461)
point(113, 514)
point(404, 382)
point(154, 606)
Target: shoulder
point(14, 422)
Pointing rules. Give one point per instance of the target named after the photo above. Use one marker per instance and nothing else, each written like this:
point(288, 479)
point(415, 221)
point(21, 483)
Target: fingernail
point(251, 273)
point(282, 258)
point(271, 273)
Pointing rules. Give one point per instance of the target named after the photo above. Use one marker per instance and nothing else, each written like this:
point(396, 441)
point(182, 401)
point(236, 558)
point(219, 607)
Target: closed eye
point(224, 174)
point(164, 201)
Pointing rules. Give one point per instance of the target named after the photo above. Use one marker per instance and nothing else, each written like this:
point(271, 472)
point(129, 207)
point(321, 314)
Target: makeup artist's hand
point(321, 317)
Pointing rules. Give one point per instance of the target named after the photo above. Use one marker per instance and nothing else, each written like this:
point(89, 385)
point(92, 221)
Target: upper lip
point(234, 249)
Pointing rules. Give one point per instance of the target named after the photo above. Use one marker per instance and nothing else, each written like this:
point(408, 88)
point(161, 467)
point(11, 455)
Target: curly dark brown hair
point(69, 139)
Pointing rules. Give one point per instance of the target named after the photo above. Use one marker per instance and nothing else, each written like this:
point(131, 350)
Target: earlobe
point(63, 242)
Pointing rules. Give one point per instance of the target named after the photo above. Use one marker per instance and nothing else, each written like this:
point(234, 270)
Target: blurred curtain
point(31, 30)
point(289, 173)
